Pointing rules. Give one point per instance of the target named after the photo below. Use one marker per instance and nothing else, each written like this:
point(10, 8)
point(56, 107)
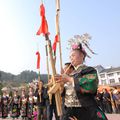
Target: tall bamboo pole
point(58, 29)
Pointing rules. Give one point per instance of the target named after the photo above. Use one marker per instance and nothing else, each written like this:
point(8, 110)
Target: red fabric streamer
point(42, 10)
point(38, 59)
point(55, 43)
point(43, 29)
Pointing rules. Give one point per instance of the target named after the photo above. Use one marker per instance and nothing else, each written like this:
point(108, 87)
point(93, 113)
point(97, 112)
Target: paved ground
point(113, 116)
point(110, 117)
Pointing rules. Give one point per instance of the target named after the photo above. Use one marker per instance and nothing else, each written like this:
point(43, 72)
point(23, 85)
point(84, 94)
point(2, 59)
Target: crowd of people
point(109, 101)
point(36, 105)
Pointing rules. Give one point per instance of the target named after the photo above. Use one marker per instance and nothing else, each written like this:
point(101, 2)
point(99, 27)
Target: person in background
point(30, 103)
point(0, 106)
point(116, 98)
point(39, 93)
point(23, 104)
point(15, 105)
point(4, 101)
point(35, 113)
point(107, 101)
point(51, 104)
point(99, 99)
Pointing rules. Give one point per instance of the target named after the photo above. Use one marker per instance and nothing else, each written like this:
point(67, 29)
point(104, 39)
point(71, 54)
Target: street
point(109, 116)
point(113, 116)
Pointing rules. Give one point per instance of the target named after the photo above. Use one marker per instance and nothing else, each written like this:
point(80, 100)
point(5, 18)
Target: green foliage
point(1, 86)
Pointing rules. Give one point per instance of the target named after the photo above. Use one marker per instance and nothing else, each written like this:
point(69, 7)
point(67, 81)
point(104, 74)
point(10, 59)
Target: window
point(119, 79)
point(112, 81)
point(102, 75)
point(118, 73)
point(110, 75)
point(103, 82)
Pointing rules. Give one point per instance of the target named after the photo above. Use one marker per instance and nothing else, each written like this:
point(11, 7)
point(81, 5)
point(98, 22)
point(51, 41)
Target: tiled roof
point(109, 70)
point(99, 68)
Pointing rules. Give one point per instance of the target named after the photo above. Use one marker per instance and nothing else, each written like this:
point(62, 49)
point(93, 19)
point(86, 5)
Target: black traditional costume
point(80, 94)
point(5, 101)
point(15, 106)
point(23, 105)
point(0, 107)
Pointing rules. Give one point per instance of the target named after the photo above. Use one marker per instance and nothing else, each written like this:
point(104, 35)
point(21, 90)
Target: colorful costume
point(35, 113)
point(15, 105)
point(30, 106)
point(5, 101)
point(23, 107)
point(0, 107)
point(30, 103)
point(82, 104)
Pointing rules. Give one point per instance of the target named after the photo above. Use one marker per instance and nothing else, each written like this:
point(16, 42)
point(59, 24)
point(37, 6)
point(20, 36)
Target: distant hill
point(25, 76)
point(10, 80)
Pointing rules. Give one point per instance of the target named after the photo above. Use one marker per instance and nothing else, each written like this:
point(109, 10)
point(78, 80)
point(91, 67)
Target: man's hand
point(73, 118)
point(63, 78)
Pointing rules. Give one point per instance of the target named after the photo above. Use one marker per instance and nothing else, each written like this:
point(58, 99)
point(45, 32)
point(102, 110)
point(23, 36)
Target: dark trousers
point(50, 110)
point(84, 113)
point(107, 107)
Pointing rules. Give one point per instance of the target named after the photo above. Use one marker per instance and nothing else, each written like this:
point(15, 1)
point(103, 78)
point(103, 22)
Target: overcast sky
point(20, 20)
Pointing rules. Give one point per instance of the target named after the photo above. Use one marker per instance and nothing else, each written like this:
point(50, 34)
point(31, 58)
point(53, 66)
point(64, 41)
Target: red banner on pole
point(38, 59)
point(55, 43)
point(43, 29)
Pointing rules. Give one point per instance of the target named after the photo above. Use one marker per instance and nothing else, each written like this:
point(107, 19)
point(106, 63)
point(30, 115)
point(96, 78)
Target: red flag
point(38, 59)
point(55, 43)
point(42, 10)
point(44, 26)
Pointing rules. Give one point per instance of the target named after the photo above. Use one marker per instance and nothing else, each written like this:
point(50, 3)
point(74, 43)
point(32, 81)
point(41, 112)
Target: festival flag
point(55, 43)
point(43, 29)
point(42, 10)
point(38, 59)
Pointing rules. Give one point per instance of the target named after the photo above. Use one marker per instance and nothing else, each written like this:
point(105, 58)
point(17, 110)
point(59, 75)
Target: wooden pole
point(47, 61)
point(47, 64)
point(40, 86)
point(58, 29)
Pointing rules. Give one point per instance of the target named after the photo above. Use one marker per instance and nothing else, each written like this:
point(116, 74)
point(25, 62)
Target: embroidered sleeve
point(87, 81)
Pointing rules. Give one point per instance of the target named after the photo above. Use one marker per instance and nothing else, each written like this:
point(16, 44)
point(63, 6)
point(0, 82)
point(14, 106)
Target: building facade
point(108, 76)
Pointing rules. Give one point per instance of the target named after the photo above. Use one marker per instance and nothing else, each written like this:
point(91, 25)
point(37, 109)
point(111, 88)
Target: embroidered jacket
point(86, 83)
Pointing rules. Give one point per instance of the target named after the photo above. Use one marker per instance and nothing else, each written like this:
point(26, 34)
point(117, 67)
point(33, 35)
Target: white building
point(108, 76)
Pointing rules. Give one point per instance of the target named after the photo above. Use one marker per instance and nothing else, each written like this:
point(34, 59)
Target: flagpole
point(58, 30)
point(47, 62)
point(41, 1)
point(47, 65)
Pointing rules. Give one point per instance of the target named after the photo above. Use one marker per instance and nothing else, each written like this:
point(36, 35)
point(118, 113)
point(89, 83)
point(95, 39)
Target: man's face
point(76, 57)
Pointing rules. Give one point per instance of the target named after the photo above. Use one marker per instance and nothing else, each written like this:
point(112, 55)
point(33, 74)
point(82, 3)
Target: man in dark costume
point(107, 101)
point(99, 100)
point(39, 93)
